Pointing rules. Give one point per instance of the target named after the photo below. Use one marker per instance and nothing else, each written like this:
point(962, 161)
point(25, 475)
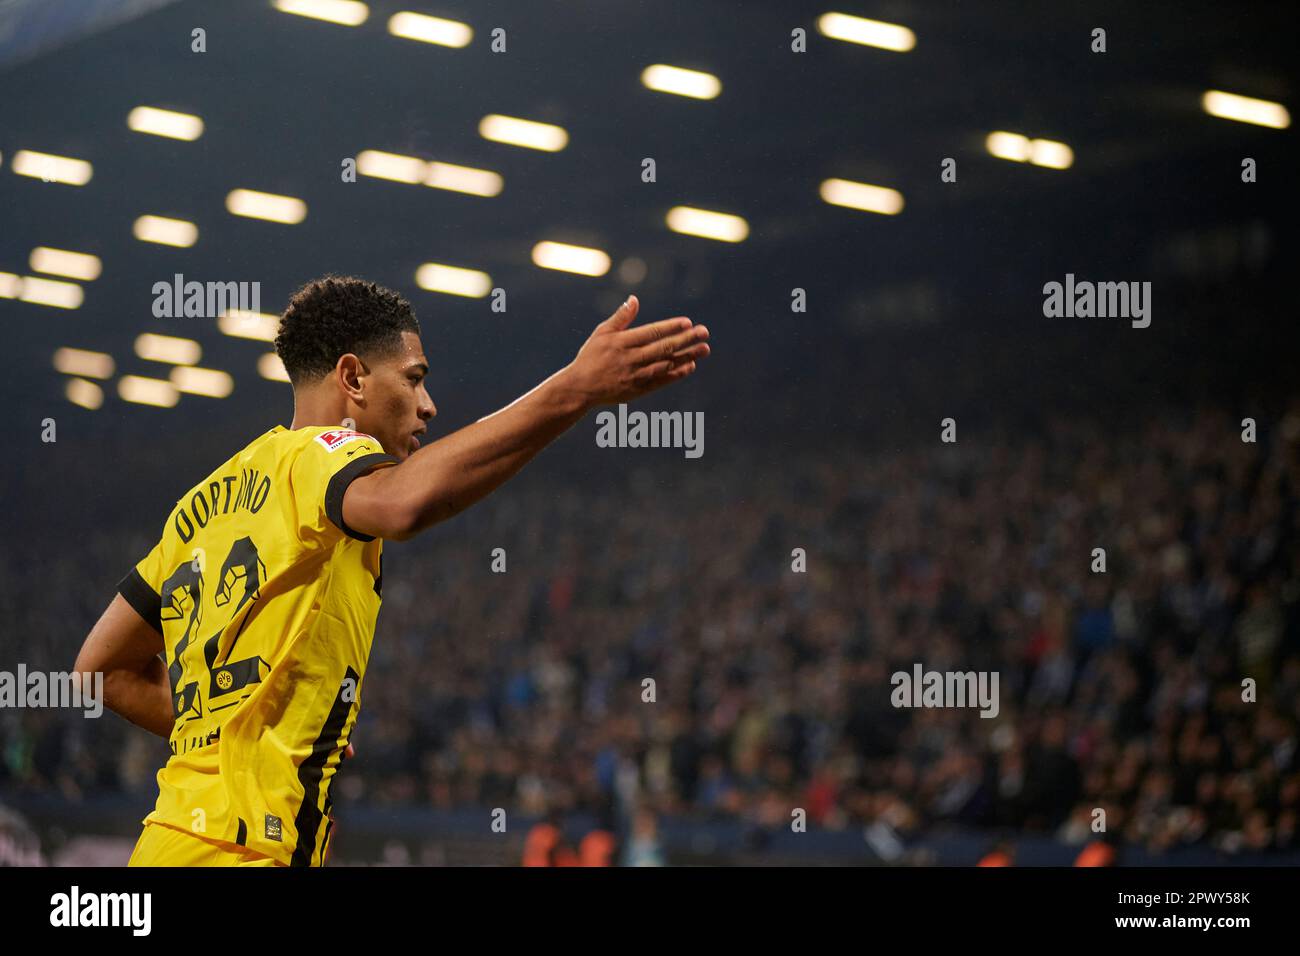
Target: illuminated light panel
point(61, 262)
point(246, 324)
point(1245, 109)
point(1010, 146)
point(522, 132)
point(427, 29)
point(83, 393)
point(681, 82)
point(1049, 153)
point(883, 36)
point(167, 348)
point(210, 382)
point(10, 285)
point(348, 13)
point(58, 169)
point(398, 168)
point(1021, 149)
point(160, 122)
point(147, 391)
point(270, 367)
point(269, 206)
point(83, 362)
point(566, 258)
point(464, 179)
point(864, 196)
point(166, 232)
point(453, 280)
point(707, 224)
point(61, 295)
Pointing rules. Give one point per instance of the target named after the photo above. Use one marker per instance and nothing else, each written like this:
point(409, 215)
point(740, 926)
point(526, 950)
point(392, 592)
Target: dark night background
point(813, 420)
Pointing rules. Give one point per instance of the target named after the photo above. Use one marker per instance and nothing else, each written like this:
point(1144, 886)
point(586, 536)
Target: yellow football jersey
point(267, 604)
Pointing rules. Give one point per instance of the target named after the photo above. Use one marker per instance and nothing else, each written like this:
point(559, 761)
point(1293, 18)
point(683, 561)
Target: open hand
point(618, 363)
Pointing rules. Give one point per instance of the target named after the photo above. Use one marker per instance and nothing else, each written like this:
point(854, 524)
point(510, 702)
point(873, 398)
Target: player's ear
point(349, 372)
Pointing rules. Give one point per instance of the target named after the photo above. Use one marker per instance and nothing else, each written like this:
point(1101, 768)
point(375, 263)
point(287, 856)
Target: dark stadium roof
point(285, 99)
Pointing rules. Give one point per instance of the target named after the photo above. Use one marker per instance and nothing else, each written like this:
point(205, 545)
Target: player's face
point(398, 405)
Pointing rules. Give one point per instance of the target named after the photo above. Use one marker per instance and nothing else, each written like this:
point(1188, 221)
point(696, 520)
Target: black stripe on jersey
point(146, 601)
point(312, 770)
point(325, 842)
point(339, 484)
point(242, 836)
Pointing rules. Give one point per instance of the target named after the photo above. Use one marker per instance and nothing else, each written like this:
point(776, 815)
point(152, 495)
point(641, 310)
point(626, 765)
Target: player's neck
point(311, 408)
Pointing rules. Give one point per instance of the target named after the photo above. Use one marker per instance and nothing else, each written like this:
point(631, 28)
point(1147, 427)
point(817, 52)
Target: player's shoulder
point(323, 444)
point(330, 438)
point(329, 450)
point(322, 447)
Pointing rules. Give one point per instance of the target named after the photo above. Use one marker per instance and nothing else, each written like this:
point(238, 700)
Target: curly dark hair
point(333, 315)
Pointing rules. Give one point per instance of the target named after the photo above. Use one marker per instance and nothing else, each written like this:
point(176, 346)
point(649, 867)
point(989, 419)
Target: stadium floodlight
point(167, 348)
point(348, 13)
point(269, 206)
point(160, 122)
point(883, 36)
point(166, 232)
point(681, 82)
point(271, 367)
point(61, 262)
point(147, 391)
point(392, 166)
point(1049, 153)
point(1245, 109)
point(863, 196)
point(521, 132)
point(83, 393)
point(1010, 146)
point(453, 280)
point(10, 285)
point(1018, 148)
point(247, 324)
point(51, 168)
point(84, 362)
point(464, 179)
point(564, 257)
point(209, 382)
point(60, 295)
point(427, 29)
point(706, 224)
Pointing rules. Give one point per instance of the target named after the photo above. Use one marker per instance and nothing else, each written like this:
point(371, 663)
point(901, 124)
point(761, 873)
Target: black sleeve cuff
point(145, 600)
point(339, 484)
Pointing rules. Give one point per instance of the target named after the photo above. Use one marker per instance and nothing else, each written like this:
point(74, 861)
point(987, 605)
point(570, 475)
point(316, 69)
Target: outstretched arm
point(616, 364)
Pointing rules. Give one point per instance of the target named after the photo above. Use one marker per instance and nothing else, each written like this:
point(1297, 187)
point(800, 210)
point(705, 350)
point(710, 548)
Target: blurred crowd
point(716, 641)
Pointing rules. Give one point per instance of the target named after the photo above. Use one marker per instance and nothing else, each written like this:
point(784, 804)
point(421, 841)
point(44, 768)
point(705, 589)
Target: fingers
point(645, 334)
point(665, 373)
point(667, 347)
point(622, 316)
point(698, 351)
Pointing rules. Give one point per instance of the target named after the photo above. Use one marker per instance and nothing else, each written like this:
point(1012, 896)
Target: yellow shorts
point(161, 845)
